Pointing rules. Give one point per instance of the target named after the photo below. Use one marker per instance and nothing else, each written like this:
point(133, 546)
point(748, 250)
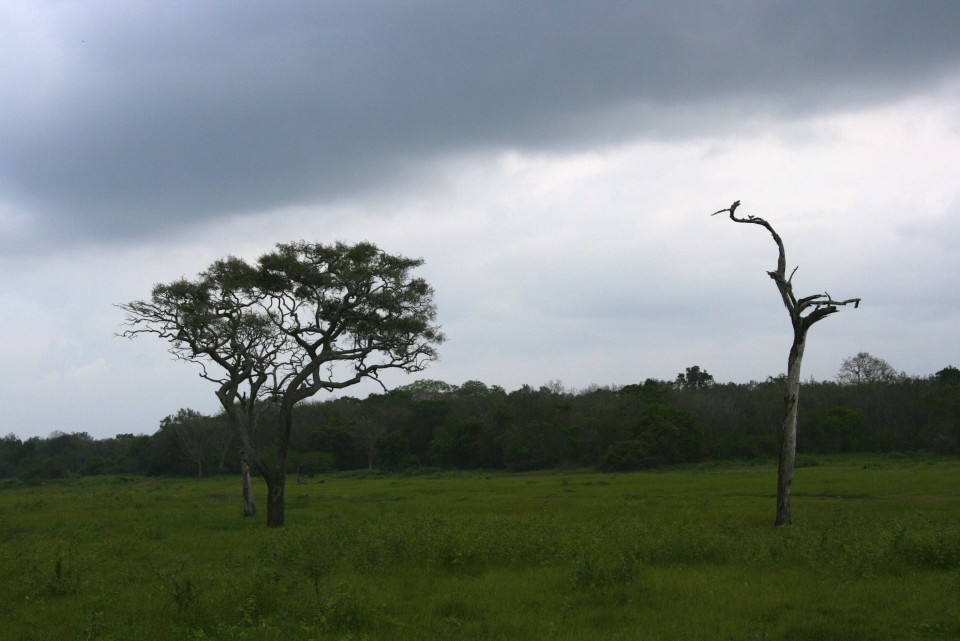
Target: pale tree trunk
point(788, 433)
point(243, 417)
point(817, 307)
point(249, 505)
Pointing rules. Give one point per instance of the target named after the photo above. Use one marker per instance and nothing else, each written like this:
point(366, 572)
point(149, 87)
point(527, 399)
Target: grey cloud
point(130, 119)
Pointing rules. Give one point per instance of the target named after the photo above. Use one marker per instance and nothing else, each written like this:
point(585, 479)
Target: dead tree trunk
point(788, 432)
point(804, 312)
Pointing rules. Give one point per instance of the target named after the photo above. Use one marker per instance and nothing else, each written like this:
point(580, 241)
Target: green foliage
point(630, 454)
point(834, 430)
point(393, 452)
point(598, 567)
point(942, 428)
point(473, 426)
point(662, 435)
point(465, 444)
point(694, 378)
point(949, 375)
point(669, 433)
point(47, 570)
point(181, 589)
point(536, 445)
point(928, 544)
point(312, 463)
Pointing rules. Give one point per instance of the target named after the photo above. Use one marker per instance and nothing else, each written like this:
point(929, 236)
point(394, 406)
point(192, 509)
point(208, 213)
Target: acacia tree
point(348, 313)
point(804, 312)
point(307, 317)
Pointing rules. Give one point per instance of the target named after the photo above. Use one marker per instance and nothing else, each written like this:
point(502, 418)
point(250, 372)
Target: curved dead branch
point(820, 305)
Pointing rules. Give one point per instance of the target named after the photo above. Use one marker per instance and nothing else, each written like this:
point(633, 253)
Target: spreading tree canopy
point(306, 317)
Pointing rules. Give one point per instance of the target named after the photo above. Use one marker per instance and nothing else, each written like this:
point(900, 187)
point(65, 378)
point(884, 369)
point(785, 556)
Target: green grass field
point(682, 554)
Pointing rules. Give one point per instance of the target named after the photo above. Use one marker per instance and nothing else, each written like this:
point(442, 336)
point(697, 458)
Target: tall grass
point(681, 554)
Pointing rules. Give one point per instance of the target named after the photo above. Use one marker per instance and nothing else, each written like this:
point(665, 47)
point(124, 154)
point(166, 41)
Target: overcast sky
point(554, 163)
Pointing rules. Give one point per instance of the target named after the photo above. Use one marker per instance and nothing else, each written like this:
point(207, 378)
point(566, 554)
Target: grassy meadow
point(680, 554)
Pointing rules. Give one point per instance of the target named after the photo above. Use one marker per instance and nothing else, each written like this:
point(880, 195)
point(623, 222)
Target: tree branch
point(823, 304)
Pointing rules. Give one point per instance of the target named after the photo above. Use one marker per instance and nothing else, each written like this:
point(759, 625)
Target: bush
point(631, 454)
point(96, 465)
point(310, 463)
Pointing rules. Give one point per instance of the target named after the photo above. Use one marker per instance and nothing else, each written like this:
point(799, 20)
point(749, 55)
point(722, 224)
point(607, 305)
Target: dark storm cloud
point(125, 119)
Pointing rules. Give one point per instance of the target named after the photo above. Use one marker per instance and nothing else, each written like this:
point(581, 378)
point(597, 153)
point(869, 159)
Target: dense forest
point(432, 424)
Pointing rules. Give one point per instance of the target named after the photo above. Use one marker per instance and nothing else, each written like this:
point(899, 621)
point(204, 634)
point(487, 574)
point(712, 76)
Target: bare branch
point(732, 208)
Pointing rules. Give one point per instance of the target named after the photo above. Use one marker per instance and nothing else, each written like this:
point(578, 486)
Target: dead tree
point(804, 312)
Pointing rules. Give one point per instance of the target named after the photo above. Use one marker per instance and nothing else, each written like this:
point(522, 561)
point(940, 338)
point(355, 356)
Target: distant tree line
point(433, 424)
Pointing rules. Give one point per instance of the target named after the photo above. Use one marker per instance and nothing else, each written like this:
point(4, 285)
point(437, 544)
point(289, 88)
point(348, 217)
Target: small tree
point(223, 438)
point(949, 375)
point(864, 368)
point(367, 432)
point(804, 312)
point(307, 317)
point(694, 378)
point(191, 431)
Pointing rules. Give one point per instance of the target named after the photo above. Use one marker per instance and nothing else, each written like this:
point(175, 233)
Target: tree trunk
point(275, 499)
point(276, 477)
point(249, 505)
point(788, 433)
